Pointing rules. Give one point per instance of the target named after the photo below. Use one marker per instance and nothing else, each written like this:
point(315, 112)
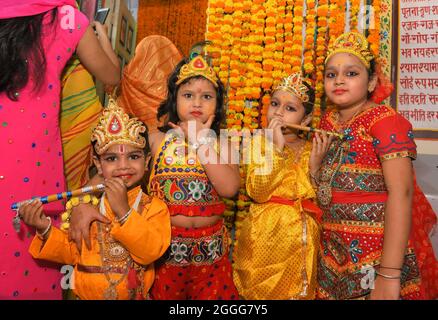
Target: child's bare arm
point(320, 146)
point(223, 175)
point(399, 182)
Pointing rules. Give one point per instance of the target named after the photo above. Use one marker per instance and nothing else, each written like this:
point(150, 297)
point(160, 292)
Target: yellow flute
point(310, 129)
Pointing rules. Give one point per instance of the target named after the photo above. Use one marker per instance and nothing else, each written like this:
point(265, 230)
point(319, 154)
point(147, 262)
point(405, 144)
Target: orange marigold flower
point(322, 10)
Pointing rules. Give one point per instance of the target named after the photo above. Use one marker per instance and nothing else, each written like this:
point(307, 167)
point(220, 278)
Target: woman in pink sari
point(38, 38)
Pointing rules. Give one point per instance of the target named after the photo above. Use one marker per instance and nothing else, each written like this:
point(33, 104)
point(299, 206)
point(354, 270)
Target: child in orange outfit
point(119, 264)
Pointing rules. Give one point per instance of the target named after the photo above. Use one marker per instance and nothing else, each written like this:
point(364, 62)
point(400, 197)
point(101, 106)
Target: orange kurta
point(146, 235)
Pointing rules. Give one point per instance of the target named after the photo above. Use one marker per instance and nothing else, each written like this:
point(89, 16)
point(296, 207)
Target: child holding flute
point(119, 265)
point(278, 243)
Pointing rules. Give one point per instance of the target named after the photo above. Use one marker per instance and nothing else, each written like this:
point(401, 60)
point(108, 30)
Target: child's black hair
point(168, 108)
point(308, 106)
point(371, 73)
point(21, 53)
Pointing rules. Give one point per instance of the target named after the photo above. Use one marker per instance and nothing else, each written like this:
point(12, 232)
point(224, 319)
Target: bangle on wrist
point(385, 276)
point(43, 234)
point(125, 217)
point(201, 141)
point(382, 267)
point(313, 177)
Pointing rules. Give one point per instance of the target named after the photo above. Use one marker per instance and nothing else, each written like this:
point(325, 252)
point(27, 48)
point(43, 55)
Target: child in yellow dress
point(277, 250)
point(119, 264)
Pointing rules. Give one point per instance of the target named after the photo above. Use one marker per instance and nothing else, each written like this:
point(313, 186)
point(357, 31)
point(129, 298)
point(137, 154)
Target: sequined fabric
point(32, 162)
point(352, 231)
point(180, 180)
point(275, 257)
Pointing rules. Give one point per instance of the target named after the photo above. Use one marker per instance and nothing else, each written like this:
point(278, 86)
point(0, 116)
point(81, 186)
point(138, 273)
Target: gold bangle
point(385, 276)
point(313, 178)
point(125, 217)
point(382, 267)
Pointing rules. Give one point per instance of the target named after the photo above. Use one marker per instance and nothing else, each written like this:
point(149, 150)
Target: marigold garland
point(321, 51)
point(374, 31)
point(309, 52)
point(255, 43)
point(354, 14)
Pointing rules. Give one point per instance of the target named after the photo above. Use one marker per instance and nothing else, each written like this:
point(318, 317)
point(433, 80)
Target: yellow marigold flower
point(270, 21)
point(66, 215)
point(228, 6)
point(319, 86)
point(309, 67)
point(238, 5)
point(223, 74)
point(247, 111)
point(65, 226)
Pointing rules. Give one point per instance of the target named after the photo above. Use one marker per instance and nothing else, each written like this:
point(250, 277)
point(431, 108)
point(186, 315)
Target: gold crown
point(115, 127)
point(295, 85)
point(197, 67)
point(354, 43)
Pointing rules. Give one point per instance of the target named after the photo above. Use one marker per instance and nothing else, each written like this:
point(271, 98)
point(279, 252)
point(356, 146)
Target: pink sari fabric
point(31, 164)
point(24, 8)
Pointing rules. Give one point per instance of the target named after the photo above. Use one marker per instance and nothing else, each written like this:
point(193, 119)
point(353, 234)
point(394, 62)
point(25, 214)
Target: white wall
point(427, 146)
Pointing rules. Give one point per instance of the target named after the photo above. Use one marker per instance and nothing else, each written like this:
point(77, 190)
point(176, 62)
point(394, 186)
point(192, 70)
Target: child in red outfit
point(196, 265)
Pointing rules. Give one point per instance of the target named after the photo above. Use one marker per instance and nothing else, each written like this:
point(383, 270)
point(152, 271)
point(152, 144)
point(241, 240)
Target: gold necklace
point(113, 255)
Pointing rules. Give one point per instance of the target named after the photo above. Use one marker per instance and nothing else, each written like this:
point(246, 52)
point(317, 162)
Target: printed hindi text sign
point(417, 85)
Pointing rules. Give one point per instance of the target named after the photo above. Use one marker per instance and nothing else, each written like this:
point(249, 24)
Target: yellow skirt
point(276, 253)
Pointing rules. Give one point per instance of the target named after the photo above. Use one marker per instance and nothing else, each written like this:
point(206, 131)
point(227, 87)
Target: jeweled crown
point(354, 43)
point(116, 127)
point(197, 67)
point(294, 84)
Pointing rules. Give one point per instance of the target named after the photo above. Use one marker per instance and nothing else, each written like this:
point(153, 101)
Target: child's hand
point(197, 124)
point(32, 215)
point(320, 146)
point(385, 289)
point(276, 124)
point(116, 192)
point(101, 30)
point(80, 221)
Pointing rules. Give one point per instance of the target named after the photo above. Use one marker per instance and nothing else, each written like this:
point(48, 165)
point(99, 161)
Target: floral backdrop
point(256, 43)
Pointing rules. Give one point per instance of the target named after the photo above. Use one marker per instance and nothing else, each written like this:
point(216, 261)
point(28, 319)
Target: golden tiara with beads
point(295, 85)
point(354, 43)
point(116, 127)
point(197, 67)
